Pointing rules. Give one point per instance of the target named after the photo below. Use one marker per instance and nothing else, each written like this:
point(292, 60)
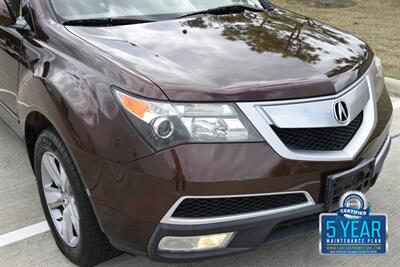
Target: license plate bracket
point(359, 178)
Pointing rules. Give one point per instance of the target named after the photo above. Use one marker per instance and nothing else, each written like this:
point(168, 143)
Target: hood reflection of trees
point(276, 32)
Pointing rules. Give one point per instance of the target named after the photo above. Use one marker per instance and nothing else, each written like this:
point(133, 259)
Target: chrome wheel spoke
point(60, 199)
point(54, 171)
point(54, 197)
point(74, 216)
point(66, 225)
point(63, 179)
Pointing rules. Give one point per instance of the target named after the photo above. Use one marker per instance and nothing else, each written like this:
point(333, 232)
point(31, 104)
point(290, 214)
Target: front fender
point(77, 99)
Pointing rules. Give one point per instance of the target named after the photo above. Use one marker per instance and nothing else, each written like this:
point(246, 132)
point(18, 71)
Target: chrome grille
point(331, 138)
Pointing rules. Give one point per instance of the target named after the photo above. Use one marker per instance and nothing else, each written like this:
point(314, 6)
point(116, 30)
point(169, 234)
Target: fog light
point(195, 243)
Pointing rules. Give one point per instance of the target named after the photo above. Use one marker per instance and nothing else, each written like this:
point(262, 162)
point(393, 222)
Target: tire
point(84, 243)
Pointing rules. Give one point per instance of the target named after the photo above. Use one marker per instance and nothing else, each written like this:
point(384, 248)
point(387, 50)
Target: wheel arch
point(35, 123)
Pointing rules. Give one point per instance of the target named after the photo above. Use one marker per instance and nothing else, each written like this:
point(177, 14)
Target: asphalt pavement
point(25, 240)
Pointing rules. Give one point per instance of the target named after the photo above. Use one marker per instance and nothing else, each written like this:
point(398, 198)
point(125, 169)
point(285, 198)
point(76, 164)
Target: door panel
point(10, 49)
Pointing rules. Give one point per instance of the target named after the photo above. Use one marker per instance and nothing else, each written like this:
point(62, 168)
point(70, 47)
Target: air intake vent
point(332, 138)
point(216, 207)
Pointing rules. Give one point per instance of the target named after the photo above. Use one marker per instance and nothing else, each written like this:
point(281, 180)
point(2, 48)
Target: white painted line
point(396, 104)
point(23, 233)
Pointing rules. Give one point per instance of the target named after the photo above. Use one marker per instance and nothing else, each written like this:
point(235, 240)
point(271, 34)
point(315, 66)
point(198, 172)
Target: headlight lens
point(378, 76)
point(167, 124)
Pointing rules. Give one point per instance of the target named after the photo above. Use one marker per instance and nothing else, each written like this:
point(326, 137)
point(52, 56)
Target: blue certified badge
point(353, 229)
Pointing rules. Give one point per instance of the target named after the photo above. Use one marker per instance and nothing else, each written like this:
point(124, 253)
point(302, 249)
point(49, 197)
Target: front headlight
point(166, 124)
point(378, 76)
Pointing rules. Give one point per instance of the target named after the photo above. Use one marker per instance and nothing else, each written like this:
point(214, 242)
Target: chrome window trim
point(361, 96)
point(168, 219)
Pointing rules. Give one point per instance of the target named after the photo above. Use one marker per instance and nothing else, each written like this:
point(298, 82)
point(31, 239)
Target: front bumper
point(254, 231)
point(130, 200)
point(250, 233)
point(381, 156)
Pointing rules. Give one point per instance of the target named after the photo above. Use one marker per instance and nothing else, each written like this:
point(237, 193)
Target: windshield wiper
point(105, 22)
point(223, 10)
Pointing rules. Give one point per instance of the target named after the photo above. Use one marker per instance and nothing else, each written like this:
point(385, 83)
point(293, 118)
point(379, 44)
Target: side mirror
point(6, 18)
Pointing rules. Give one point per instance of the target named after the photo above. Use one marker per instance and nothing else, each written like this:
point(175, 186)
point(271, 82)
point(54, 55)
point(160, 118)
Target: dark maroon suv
point(187, 129)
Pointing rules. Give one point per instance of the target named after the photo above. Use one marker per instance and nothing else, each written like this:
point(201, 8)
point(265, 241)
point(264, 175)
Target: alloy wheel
point(60, 199)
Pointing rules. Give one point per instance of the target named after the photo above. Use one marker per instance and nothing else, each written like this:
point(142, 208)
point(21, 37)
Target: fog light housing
point(195, 243)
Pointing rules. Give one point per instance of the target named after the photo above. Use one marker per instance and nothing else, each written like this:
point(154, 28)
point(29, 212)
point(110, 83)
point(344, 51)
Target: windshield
point(155, 9)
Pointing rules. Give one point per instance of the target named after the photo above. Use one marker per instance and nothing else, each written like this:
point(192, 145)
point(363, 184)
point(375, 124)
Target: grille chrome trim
point(168, 219)
point(318, 113)
point(303, 113)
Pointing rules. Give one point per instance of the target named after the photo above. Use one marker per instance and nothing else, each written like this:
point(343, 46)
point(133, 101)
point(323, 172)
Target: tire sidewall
point(49, 142)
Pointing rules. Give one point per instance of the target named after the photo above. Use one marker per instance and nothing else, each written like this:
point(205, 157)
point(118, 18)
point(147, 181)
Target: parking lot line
point(23, 233)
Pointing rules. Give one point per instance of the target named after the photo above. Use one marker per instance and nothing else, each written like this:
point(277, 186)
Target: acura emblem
point(341, 112)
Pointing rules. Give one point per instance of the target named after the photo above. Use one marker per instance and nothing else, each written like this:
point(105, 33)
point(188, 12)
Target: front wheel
point(66, 205)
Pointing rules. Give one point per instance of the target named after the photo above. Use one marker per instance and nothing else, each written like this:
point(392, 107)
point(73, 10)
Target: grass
point(375, 21)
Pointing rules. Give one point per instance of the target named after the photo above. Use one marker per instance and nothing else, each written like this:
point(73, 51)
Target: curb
point(393, 86)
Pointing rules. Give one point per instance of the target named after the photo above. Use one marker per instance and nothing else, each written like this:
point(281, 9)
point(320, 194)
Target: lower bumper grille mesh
point(331, 138)
point(215, 207)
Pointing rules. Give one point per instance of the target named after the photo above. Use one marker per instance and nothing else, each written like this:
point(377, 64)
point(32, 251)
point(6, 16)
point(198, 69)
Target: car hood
point(239, 57)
